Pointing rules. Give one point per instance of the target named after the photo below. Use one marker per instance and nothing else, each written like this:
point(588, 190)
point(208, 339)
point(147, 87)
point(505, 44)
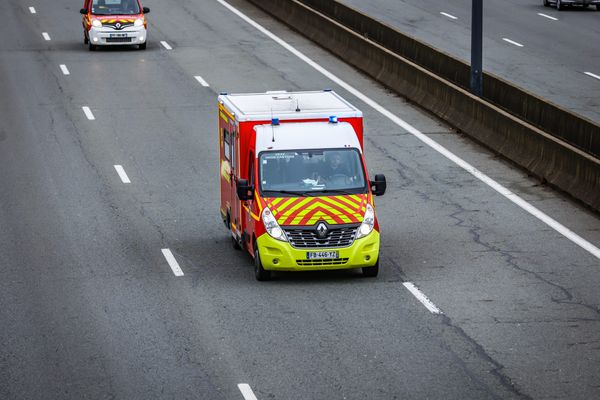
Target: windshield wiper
point(338, 191)
point(301, 194)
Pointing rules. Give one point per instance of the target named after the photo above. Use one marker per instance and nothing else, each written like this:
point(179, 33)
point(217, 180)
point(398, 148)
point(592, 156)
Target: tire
point(85, 39)
point(260, 273)
point(235, 244)
point(546, 3)
point(142, 46)
point(92, 47)
point(371, 272)
point(559, 6)
point(597, 7)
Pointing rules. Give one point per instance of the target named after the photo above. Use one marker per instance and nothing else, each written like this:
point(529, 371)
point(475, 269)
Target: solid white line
point(202, 81)
point(32, 10)
point(172, 262)
point(548, 16)
point(592, 75)
point(122, 174)
point(572, 236)
point(46, 36)
point(64, 69)
point(422, 298)
point(166, 45)
point(247, 391)
point(512, 42)
point(88, 113)
point(448, 15)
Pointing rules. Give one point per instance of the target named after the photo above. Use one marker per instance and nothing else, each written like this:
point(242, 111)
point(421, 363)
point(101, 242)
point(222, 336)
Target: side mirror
point(244, 191)
point(83, 11)
point(145, 10)
point(379, 185)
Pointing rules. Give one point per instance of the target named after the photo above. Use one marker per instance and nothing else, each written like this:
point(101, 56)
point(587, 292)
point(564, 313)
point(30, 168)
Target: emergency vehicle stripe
point(340, 208)
point(294, 204)
point(318, 213)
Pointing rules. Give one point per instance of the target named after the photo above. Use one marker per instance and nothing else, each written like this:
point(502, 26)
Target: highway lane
point(93, 309)
point(546, 54)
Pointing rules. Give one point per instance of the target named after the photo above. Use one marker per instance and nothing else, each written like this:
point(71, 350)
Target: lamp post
point(477, 47)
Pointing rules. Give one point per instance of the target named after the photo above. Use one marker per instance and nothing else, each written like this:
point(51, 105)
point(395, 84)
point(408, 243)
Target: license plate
point(118, 35)
point(317, 255)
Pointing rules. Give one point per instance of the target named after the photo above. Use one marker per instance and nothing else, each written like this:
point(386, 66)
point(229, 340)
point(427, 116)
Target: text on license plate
point(315, 255)
point(118, 35)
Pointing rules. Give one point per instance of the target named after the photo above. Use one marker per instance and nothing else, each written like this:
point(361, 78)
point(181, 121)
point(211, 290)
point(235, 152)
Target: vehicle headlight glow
point(271, 225)
point(96, 23)
point(138, 22)
point(368, 222)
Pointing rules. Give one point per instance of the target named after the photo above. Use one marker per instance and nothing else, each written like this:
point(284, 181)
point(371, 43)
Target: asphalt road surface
point(554, 54)
point(90, 307)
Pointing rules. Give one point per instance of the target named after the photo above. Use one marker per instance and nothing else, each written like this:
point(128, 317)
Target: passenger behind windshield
point(305, 171)
point(115, 7)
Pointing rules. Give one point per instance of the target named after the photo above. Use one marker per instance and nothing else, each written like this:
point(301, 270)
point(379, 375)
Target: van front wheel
point(260, 273)
point(371, 272)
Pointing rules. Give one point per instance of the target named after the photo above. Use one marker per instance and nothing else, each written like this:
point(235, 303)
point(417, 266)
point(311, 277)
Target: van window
point(115, 7)
point(227, 144)
point(299, 172)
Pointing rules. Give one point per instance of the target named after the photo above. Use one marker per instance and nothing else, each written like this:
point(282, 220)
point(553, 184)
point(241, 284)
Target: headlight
point(138, 22)
point(271, 225)
point(96, 23)
point(368, 223)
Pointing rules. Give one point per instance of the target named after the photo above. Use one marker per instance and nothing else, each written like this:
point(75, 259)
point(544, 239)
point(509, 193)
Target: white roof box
point(288, 105)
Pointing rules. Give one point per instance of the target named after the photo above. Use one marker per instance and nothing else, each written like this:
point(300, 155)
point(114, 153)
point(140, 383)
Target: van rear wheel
point(371, 272)
point(260, 273)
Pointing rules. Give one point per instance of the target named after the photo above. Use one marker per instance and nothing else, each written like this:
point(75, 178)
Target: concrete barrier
point(572, 128)
point(547, 157)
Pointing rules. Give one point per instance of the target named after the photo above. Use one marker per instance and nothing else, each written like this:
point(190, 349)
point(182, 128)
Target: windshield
point(301, 172)
point(115, 7)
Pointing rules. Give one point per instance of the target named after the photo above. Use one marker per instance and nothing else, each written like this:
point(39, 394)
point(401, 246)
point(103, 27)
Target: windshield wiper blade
point(301, 194)
point(338, 191)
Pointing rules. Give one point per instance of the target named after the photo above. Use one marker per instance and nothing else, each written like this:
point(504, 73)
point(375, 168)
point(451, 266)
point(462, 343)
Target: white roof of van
point(288, 105)
point(305, 135)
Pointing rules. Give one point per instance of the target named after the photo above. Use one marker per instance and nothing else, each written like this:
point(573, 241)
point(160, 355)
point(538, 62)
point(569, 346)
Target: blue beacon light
point(333, 119)
point(275, 121)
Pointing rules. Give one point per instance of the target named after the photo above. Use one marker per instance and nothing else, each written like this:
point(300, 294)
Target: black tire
point(260, 273)
point(235, 244)
point(142, 46)
point(85, 39)
point(546, 3)
point(92, 47)
point(371, 272)
point(597, 7)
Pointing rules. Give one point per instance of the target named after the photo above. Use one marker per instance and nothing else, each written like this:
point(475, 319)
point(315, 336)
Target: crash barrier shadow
point(529, 134)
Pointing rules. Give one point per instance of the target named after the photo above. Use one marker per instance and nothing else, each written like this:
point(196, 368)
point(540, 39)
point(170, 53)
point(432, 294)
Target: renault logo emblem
point(118, 25)
point(322, 230)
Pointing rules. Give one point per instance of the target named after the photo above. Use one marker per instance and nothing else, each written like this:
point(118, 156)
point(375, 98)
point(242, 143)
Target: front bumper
point(581, 2)
point(106, 36)
point(281, 256)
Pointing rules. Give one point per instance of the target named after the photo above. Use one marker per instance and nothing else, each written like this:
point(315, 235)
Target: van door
point(236, 221)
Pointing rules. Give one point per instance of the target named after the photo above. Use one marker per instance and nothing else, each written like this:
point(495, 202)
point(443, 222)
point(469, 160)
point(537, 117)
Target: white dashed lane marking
point(88, 113)
point(166, 45)
point(122, 174)
point(202, 81)
point(172, 262)
point(64, 69)
point(548, 16)
point(32, 10)
point(592, 75)
point(422, 298)
point(247, 391)
point(512, 42)
point(45, 36)
point(449, 15)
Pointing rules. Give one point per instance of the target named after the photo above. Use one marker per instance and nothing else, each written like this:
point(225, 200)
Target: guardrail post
point(477, 47)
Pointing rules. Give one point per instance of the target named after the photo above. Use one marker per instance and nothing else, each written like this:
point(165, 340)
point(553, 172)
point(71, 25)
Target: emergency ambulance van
point(295, 192)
